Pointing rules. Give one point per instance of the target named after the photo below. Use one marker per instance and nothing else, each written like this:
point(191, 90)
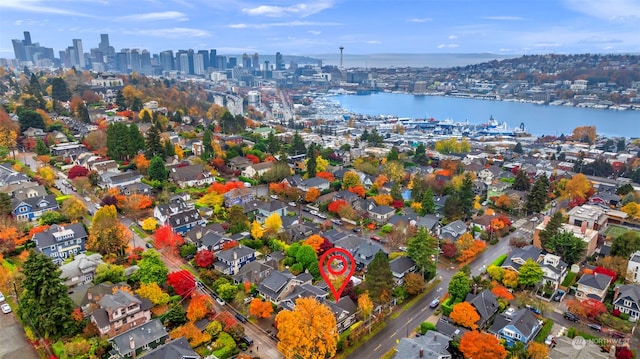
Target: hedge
point(247, 179)
point(426, 326)
point(498, 261)
point(545, 331)
point(447, 306)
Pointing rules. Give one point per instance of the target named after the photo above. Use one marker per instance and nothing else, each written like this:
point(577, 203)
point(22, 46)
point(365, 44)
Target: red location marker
point(345, 267)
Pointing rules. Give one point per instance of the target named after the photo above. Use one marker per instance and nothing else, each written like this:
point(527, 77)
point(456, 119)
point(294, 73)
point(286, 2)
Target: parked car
point(402, 248)
point(247, 340)
point(220, 301)
point(548, 340)
point(6, 309)
point(533, 309)
point(322, 215)
point(558, 296)
point(292, 204)
point(149, 245)
point(570, 316)
point(375, 238)
point(356, 230)
point(241, 317)
point(596, 327)
point(434, 303)
point(247, 184)
point(273, 196)
point(1, 297)
point(337, 222)
point(306, 209)
point(314, 212)
point(617, 335)
point(86, 198)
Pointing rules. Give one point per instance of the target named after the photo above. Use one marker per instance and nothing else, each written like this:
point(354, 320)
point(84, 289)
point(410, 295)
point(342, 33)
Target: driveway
point(14, 344)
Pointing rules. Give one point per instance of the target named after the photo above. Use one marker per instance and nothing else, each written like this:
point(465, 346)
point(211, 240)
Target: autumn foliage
point(222, 188)
point(182, 282)
point(260, 309)
point(588, 308)
point(502, 292)
point(312, 194)
point(383, 199)
point(253, 158)
point(334, 207)
point(326, 175)
point(278, 187)
point(478, 345)
point(199, 306)
point(359, 190)
point(77, 171)
point(537, 351)
point(465, 315)
point(165, 237)
point(195, 336)
point(227, 320)
point(204, 258)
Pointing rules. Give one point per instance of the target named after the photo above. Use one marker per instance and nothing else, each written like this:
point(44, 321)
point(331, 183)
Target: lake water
point(538, 119)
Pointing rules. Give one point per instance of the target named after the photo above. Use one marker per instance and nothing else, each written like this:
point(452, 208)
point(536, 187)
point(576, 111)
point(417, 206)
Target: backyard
point(615, 231)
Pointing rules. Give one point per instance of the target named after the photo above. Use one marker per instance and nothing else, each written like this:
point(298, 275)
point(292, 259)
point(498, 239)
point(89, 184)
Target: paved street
point(14, 344)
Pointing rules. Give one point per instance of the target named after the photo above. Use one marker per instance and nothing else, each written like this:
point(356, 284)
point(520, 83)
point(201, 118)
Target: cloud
point(547, 44)
point(448, 46)
point(302, 10)
point(503, 18)
point(282, 24)
point(452, 37)
point(315, 32)
point(38, 7)
point(171, 33)
point(611, 10)
point(156, 16)
point(420, 20)
point(373, 42)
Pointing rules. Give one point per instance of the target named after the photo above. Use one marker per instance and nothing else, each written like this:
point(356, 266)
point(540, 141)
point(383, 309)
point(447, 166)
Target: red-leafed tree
point(623, 353)
point(449, 249)
point(229, 245)
point(335, 206)
point(589, 308)
point(325, 246)
point(182, 282)
point(397, 203)
point(326, 175)
point(359, 190)
point(204, 258)
point(253, 158)
point(165, 237)
point(222, 188)
point(77, 171)
point(217, 162)
point(609, 272)
point(226, 319)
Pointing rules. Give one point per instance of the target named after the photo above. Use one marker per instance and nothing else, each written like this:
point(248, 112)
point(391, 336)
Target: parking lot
point(14, 344)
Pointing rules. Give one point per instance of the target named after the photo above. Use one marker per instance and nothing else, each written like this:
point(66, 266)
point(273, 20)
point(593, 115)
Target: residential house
point(257, 170)
point(164, 211)
point(61, 242)
point(344, 311)
point(485, 304)
point(300, 231)
point(262, 210)
point(521, 326)
point(496, 190)
point(176, 349)
point(595, 217)
point(239, 163)
point(519, 256)
point(453, 231)
point(554, 269)
point(316, 182)
point(68, 150)
point(482, 222)
point(450, 329)
point(136, 188)
point(349, 242)
point(633, 268)
point(347, 196)
point(279, 284)
point(212, 241)
point(120, 312)
point(489, 174)
point(593, 286)
point(381, 214)
point(184, 221)
point(102, 165)
point(135, 342)
point(195, 235)
point(26, 190)
point(626, 299)
point(34, 133)
point(432, 345)
point(304, 290)
point(255, 272)
point(400, 267)
point(364, 253)
point(80, 270)
point(113, 180)
point(589, 236)
point(231, 260)
point(293, 181)
point(565, 347)
point(30, 209)
point(191, 176)
point(238, 196)
point(10, 176)
point(431, 223)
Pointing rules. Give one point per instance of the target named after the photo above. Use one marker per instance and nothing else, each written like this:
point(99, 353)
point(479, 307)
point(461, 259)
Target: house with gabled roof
point(519, 256)
point(80, 270)
point(400, 267)
point(231, 260)
point(566, 347)
point(255, 272)
point(239, 163)
point(626, 299)
point(184, 221)
point(347, 196)
point(364, 253)
point(520, 326)
point(10, 176)
point(432, 345)
point(119, 179)
point(257, 170)
point(27, 190)
point(176, 349)
point(303, 290)
point(315, 182)
point(277, 285)
point(135, 342)
point(633, 267)
point(212, 241)
point(238, 196)
point(344, 311)
point(593, 286)
point(381, 214)
point(61, 242)
point(120, 312)
point(30, 209)
point(453, 231)
point(485, 304)
point(191, 176)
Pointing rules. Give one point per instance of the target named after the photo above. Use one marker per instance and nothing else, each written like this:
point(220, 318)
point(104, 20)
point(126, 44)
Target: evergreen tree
point(207, 147)
point(420, 156)
point(5, 204)
point(428, 205)
point(297, 146)
point(518, 148)
point(393, 155)
point(135, 140)
point(452, 208)
point(379, 279)
point(375, 139)
point(145, 118)
point(273, 145)
point(419, 188)
point(521, 182)
point(41, 148)
point(569, 247)
point(621, 145)
point(136, 104)
point(120, 101)
point(30, 118)
point(396, 191)
point(466, 195)
point(537, 197)
point(459, 287)
point(157, 170)
point(83, 113)
point(153, 146)
point(59, 90)
point(44, 302)
point(552, 228)
point(365, 135)
point(421, 248)
point(169, 150)
point(311, 162)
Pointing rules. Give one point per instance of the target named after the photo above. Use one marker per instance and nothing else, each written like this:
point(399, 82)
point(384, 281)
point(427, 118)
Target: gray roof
point(48, 237)
point(240, 251)
point(184, 217)
point(429, 221)
point(596, 280)
point(189, 173)
point(631, 293)
point(449, 329)
point(8, 175)
point(275, 283)
point(80, 264)
point(250, 272)
point(565, 348)
point(432, 344)
point(143, 335)
point(485, 303)
point(175, 206)
point(382, 210)
point(37, 203)
point(401, 264)
point(28, 189)
point(334, 235)
point(175, 349)
point(349, 243)
point(458, 227)
point(366, 251)
point(523, 320)
point(524, 253)
point(315, 182)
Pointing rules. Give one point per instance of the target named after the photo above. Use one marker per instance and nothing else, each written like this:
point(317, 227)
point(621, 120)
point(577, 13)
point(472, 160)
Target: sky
point(307, 27)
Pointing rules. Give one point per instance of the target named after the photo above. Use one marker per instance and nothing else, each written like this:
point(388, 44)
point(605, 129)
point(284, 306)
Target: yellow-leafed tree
point(154, 293)
point(150, 224)
point(365, 305)
point(273, 223)
point(107, 235)
point(256, 230)
point(308, 331)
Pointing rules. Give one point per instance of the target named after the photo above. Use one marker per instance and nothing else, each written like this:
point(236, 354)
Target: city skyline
point(320, 27)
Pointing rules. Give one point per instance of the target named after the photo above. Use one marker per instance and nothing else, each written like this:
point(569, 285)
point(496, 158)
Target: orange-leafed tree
point(315, 241)
point(195, 336)
point(253, 158)
point(141, 162)
point(502, 292)
point(8, 238)
point(383, 199)
point(477, 345)
point(334, 207)
point(199, 306)
point(537, 351)
point(504, 202)
point(359, 190)
point(278, 187)
point(308, 331)
point(260, 308)
point(165, 237)
point(588, 308)
point(380, 181)
point(465, 314)
point(312, 194)
point(326, 175)
point(107, 235)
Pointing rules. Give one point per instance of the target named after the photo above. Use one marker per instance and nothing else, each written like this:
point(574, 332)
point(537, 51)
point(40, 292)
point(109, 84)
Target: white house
point(633, 268)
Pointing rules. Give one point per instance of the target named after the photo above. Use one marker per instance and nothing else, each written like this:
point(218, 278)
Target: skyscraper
point(256, 61)
point(79, 53)
point(166, 60)
point(205, 59)
point(213, 58)
point(198, 63)
point(246, 61)
point(27, 38)
point(279, 62)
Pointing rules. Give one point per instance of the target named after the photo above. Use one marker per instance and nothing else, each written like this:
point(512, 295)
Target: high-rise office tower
point(183, 60)
point(166, 60)
point(213, 58)
point(145, 62)
point(205, 59)
point(246, 61)
point(221, 62)
point(233, 62)
point(198, 63)
point(79, 53)
point(134, 61)
point(256, 61)
point(122, 61)
point(279, 62)
point(18, 50)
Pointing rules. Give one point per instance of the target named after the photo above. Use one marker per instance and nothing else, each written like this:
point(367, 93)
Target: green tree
point(44, 302)
point(112, 273)
point(59, 90)
point(121, 101)
point(537, 197)
point(41, 148)
point(169, 149)
point(428, 205)
point(459, 286)
point(396, 191)
point(421, 248)
point(83, 113)
point(134, 141)
point(621, 145)
point(153, 144)
point(277, 173)
point(176, 316)
point(452, 208)
point(551, 229)
point(569, 247)
point(157, 171)
point(466, 195)
point(297, 146)
point(530, 273)
point(312, 162)
point(227, 291)
point(625, 244)
point(379, 279)
point(521, 182)
point(238, 220)
point(306, 256)
point(152, 268)
point(393, 155)
point(207, 146)
point(420, 155)
point(518, 148)
point(5, 204)
point(30, 118)
point(273, 144)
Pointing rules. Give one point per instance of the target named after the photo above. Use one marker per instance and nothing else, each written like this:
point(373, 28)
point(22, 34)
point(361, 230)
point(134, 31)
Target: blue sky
point(321, 26)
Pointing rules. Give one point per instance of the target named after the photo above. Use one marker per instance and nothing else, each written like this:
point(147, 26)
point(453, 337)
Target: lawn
point(568, 280)
point(615, 231)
